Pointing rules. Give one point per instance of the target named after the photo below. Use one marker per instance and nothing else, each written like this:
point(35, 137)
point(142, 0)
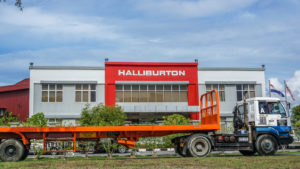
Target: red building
point(15, 99)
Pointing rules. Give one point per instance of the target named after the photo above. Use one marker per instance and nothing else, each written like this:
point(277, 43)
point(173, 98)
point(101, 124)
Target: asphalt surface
point(149, 153)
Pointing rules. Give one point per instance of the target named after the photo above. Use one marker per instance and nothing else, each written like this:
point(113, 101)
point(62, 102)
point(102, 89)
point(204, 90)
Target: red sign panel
point(137, 71)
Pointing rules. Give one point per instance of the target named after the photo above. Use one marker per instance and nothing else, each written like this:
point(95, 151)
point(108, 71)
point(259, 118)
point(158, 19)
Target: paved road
point(149, 153)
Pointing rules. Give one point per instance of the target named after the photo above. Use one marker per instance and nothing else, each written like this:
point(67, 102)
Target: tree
point(18, 3)
point(37, 120)
point(296, 120)
point(101, 115)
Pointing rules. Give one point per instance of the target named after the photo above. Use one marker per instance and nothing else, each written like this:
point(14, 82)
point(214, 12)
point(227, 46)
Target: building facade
point(145, 91)
point(15, 99)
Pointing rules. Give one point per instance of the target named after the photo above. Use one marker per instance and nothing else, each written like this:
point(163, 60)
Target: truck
point(261, 125)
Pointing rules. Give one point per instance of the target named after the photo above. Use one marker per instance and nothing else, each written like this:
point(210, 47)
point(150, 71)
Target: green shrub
point(101, 115)
point(8, 118)
point(296, 120)
point(37, 120)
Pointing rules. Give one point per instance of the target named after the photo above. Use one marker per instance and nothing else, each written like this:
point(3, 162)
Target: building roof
point(230, 69)
point(24, 84)
point(152, 63)
point(68, 67)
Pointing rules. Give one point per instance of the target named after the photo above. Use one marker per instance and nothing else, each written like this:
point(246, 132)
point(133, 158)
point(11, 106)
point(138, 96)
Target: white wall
point(37, 75)
point(232, 76)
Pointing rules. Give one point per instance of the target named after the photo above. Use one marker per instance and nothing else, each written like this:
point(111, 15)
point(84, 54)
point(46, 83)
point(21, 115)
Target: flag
point(274, 90)
point(288, 89)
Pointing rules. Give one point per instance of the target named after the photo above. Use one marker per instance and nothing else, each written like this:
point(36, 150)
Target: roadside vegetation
point(296, 120)
point(212, 161)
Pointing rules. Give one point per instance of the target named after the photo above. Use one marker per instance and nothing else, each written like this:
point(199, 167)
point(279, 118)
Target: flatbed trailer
point(17, 140)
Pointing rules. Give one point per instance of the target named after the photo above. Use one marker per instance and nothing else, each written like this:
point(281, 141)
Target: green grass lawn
point(213, 161)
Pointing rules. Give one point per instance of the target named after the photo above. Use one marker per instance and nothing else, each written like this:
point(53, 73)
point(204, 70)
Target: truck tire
point(247, 152)
point(179, 150)
point(26, 152)
point(122, 149)
point(198, 146)
point(266, 145)
point(12, 150)
point(54, 149)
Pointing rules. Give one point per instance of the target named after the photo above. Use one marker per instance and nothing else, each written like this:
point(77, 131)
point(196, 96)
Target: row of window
point(243, 91)
point(54, 93)
point(151, 93)
point(141, 93)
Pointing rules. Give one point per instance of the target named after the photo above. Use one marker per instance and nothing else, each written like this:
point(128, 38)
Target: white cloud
point(199, 8)
point(63, 26)
point(293, 83)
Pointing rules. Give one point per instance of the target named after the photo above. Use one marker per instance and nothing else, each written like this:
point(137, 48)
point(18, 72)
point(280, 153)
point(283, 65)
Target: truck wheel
point(179, 149)
point(11, 150)
point(266, 145)
point(53, 149)
point(122, 149)
point(26, 152)
point(198, 146)
point(247, 152)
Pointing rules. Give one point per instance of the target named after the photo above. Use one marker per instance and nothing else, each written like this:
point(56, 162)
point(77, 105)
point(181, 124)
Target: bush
point(101, 115)
point(37, 120)
point(8, 118)
point(296, 120)
point(176, 119)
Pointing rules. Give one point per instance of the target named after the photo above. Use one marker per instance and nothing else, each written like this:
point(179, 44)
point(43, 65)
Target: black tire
point(247, 152)
point(179, 150)
point(122, 149)
point(12, 150)
point(26, 152)
point(53, 149)
point(266, 145)
point(198, 146)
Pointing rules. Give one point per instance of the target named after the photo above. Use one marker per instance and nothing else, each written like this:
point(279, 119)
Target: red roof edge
point(151, 63)
point(24, 84)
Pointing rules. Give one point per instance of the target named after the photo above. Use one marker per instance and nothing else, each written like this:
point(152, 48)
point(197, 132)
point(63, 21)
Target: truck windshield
point(271, 108)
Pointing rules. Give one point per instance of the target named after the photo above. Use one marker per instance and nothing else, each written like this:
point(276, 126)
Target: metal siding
point(16, 102)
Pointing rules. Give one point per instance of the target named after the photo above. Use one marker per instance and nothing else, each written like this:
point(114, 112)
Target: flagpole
point(269, 89)
point(286, 103)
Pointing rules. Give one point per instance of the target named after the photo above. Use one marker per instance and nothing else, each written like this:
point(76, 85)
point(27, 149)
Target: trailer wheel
point(266, 145)
point(198, 146)
point(247, 152)
point(122, 149)
point(179, 150)
point(11, 150)
point(26, 152)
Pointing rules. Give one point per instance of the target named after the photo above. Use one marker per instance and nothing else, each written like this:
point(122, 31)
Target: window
point(52, 92)
point(85, 93)
point(271, 108)
point(245, 91)
point(2, 112)
point(151, 93)
point(219, 87)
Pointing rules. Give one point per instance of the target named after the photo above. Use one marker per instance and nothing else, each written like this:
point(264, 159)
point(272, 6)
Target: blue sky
point(231, 33)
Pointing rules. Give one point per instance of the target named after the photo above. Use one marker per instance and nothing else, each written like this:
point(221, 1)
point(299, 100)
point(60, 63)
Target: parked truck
point(260, 125)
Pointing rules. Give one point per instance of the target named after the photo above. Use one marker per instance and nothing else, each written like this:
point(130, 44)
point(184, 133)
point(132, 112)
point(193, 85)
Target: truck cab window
point(271, 108)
